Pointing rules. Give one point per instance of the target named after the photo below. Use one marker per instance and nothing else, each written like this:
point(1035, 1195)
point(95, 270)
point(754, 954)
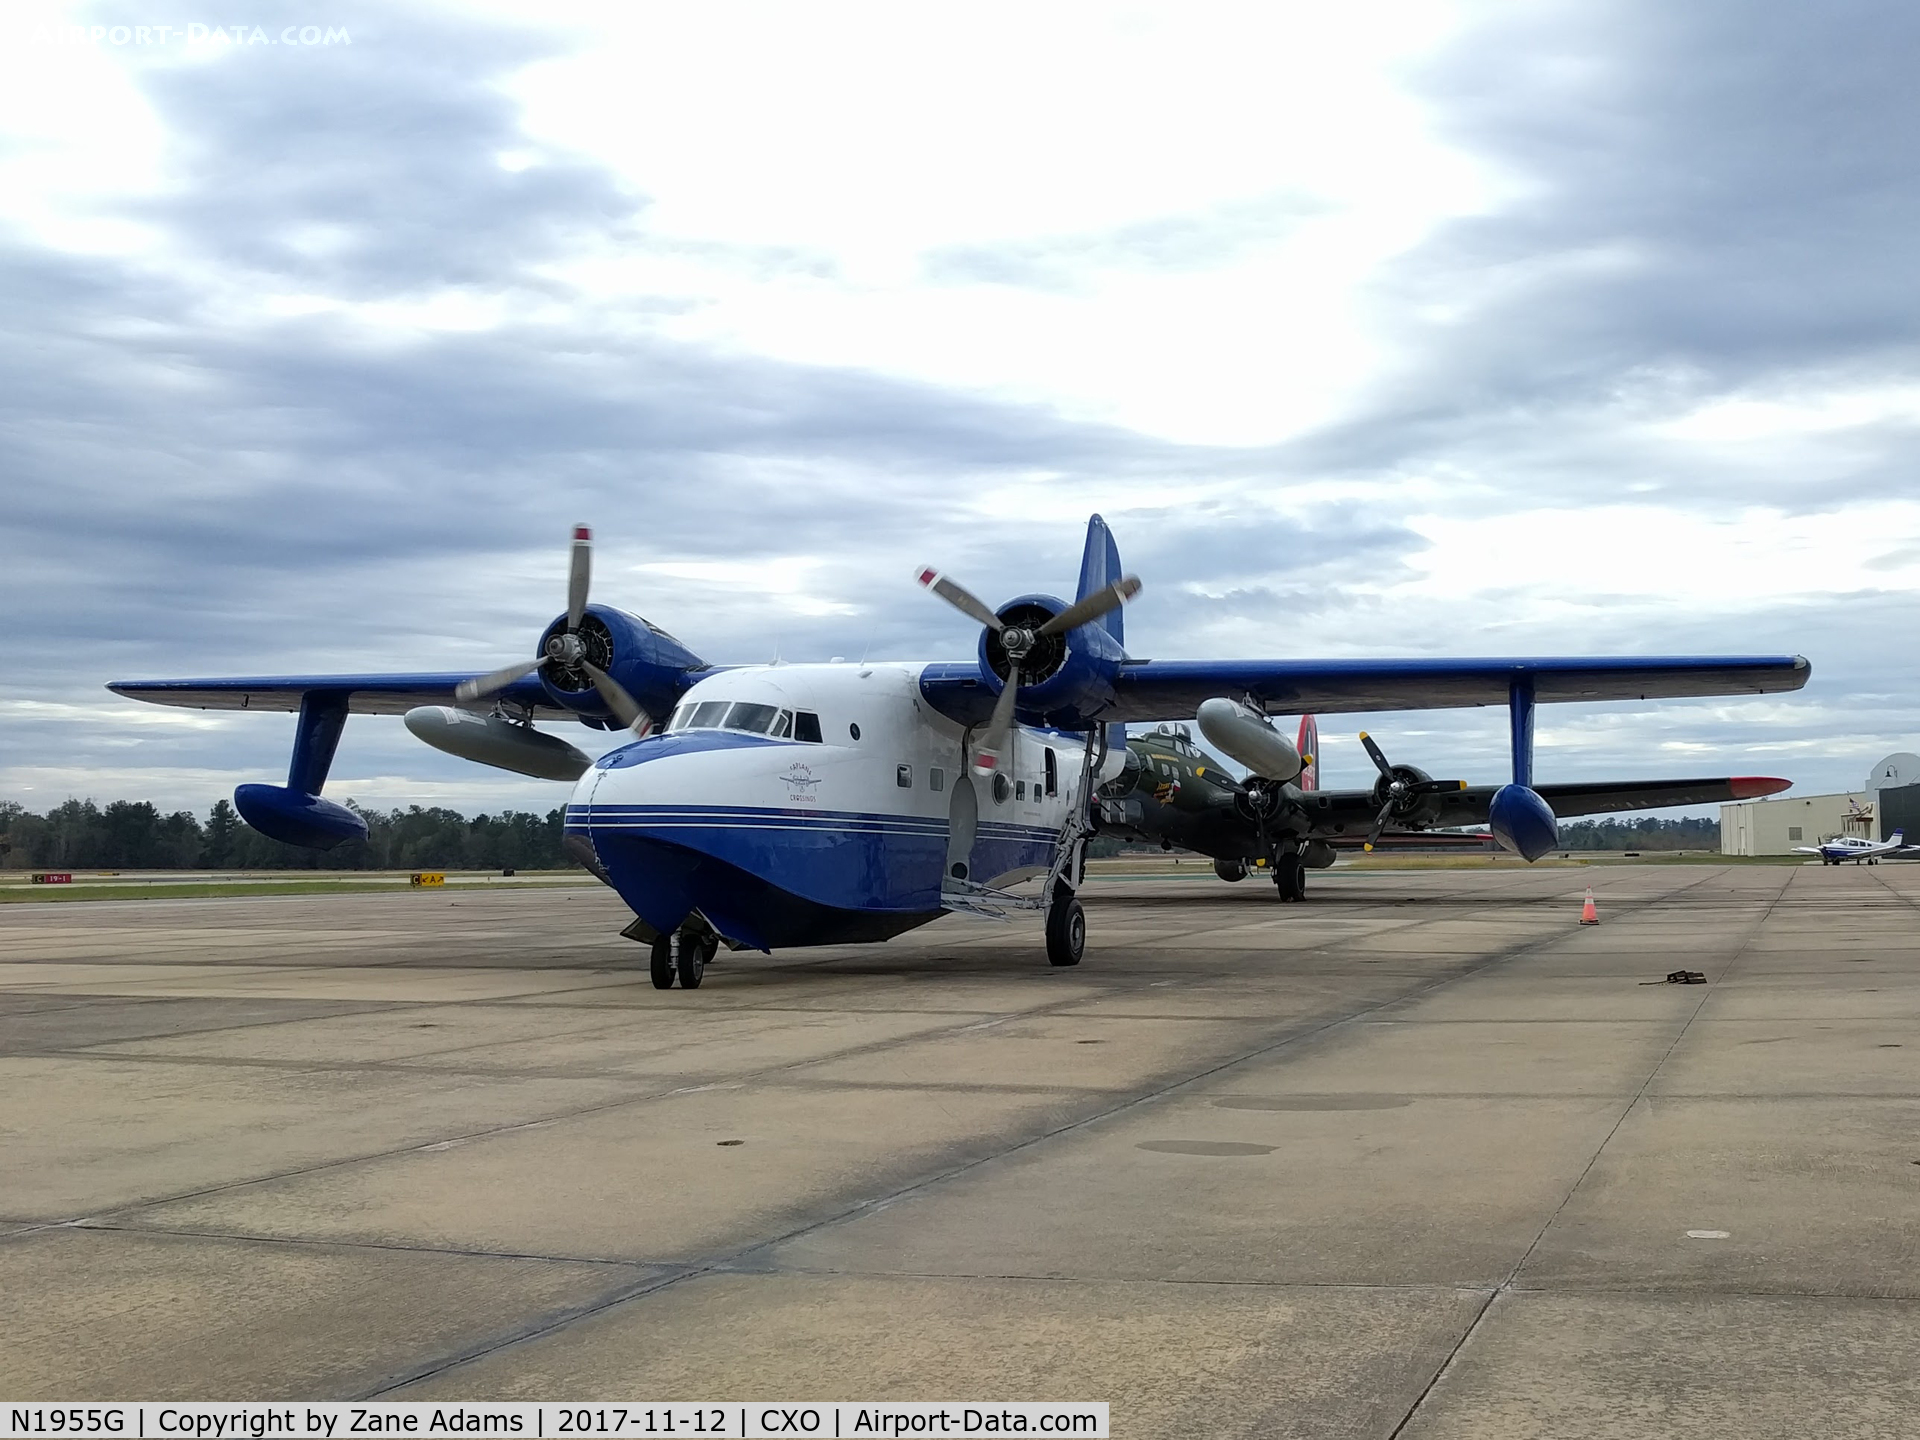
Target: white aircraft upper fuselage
point(1852, 847)
point(777, 838)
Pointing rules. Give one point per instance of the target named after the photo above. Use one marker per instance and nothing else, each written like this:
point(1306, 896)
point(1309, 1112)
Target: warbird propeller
point(821, 804)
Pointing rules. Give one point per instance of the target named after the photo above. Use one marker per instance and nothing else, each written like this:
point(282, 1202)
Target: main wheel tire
point(1066, 931)
point(661, 967)
point(1290, 877)
point(694, 954)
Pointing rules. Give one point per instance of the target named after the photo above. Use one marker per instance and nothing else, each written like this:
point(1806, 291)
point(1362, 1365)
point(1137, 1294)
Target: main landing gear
point(1066, 927)
point(1290, 875)
point(683, 956)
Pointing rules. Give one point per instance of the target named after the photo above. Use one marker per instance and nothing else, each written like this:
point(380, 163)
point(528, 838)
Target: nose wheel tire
point(661, 966)
point(692, 964)
point(1066, 931)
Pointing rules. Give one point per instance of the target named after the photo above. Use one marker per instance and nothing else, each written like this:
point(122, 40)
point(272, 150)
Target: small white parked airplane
point(1851, 847)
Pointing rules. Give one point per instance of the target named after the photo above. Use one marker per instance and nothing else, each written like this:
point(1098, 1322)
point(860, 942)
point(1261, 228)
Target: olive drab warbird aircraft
point(789, 805)
point(1278, 821)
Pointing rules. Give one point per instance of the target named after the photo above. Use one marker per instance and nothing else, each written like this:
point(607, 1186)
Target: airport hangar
point(1889, 801)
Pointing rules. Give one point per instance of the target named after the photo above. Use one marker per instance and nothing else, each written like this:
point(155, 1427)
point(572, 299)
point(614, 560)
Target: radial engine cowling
point(1064, 679)
point(1413, 808)
point(649, 663)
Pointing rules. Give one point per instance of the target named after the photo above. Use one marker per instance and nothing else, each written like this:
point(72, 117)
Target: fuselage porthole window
point(936, 778)
point(1019, 789)
point(806, 726)
point(854, 730)
point(903, 776)
point(1053, 773)
point(1001, 789)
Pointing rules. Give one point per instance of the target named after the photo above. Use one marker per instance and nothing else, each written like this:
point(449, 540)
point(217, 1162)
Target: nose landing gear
point(683, 956)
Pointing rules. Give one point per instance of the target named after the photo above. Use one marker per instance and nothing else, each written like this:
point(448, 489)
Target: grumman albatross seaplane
point(789, 805)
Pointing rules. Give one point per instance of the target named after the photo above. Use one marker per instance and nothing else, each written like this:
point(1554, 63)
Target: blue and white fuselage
point(1843, 848)
point(819, 804)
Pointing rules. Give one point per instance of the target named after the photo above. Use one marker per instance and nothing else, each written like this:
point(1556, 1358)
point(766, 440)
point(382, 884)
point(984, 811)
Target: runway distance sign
point(681, 1419)
point(423, 879)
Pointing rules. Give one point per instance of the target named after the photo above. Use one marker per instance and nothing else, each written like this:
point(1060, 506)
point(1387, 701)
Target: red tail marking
point(1308, 744)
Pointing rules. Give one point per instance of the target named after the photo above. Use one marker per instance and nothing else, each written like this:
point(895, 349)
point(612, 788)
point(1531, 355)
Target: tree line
point(134, 835)
point(1639, 834)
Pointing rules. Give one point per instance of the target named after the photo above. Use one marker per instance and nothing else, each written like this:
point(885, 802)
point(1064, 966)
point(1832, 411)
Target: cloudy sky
point(1373, 329)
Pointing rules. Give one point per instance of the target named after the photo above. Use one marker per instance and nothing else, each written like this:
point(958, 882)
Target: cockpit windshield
point(747, 716)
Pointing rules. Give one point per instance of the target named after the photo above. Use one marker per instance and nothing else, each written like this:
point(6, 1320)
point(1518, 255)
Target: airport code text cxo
point(685, 1420)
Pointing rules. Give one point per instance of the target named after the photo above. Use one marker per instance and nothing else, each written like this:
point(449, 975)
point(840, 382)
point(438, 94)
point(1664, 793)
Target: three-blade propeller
point(566, 648)
point(1398, 790)
point(1018, 641)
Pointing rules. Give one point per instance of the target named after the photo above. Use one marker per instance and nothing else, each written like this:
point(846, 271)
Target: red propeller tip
point(927, 576)
point(581, 532)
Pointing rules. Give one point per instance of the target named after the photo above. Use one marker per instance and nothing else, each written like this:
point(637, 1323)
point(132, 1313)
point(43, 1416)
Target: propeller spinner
point(566, 649)
point(1019, 641)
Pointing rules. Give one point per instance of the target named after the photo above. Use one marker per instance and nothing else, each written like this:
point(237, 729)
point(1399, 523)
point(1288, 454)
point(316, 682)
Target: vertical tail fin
point(1099, 568)
point(1308, 744)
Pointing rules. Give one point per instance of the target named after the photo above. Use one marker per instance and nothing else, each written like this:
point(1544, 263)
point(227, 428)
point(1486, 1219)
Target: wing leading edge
point(365, 694)
point(1173, 689)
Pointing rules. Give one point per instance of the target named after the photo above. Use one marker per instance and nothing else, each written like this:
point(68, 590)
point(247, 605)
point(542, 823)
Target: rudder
point(1099, 568)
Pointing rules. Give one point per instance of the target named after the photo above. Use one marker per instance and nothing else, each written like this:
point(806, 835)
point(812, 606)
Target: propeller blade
point(624, 707)
point(498, 680)
point(997, 744)
point(1380, 823)
point(579, 571)
point(958, 596)
point(1379, 756)
point(1093, 607)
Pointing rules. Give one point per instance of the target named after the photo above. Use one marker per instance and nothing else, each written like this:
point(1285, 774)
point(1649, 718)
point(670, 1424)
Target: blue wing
point(1173, 689)
point(366, 694)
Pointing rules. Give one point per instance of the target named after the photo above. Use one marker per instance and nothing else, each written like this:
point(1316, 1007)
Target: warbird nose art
point(793, 805)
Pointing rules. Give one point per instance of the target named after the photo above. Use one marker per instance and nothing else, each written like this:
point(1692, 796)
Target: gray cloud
point(1720, 200)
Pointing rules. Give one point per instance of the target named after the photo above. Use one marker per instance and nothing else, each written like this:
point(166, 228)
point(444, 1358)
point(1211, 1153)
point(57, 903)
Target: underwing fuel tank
point(1245, 735)
point(500, 743)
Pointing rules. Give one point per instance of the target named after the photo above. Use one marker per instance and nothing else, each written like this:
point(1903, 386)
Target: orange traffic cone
point(1589, 915)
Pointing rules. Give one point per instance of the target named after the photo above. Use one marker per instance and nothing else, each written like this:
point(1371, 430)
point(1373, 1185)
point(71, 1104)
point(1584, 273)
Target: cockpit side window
point(782, 725)
point(806, 726)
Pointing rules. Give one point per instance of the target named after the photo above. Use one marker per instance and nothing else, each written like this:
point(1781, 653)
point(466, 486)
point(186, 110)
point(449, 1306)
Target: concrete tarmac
point(1419, 1158)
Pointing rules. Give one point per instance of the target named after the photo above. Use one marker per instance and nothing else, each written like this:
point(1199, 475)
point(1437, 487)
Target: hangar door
point(1900, 810)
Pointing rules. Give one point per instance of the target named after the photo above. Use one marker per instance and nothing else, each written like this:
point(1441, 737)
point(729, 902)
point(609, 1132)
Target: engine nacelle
point(1245, 735)
point(1412, 810)
point(650, 664)
point(490, 740)
point(1065, 680)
